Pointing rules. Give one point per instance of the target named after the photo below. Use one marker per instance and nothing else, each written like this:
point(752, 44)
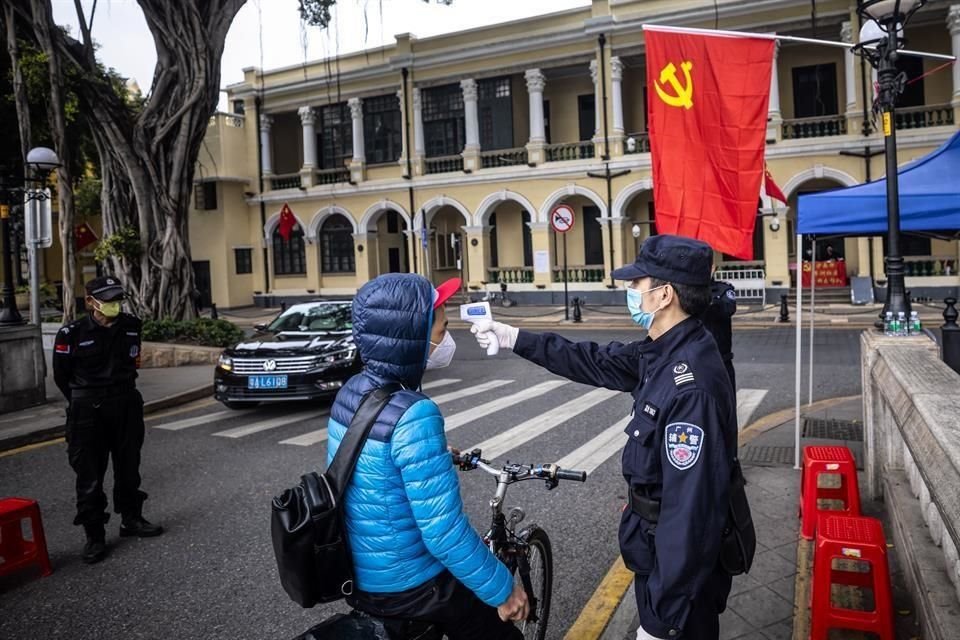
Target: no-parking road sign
point(561, 218)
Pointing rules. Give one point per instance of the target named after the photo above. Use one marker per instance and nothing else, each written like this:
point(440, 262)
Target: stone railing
point(503, 158)
point(930, 266)
point(570, 151)
point(331, 176)
point(641, 143)
point(912, 459)
point(581, 273)
point(934, 115)
point(510, 275)
point(285, 181)
point(162, 354)
point(814, 127)
point(443, 164)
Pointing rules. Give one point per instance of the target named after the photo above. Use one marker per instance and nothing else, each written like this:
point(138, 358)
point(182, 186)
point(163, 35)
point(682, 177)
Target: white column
point(536, 82)
point(774, 109)
point(470, 114)
point(266, 121)
point(405, 144)
point(598, 106)
point(616, 78)
point(307, 120)
point(846, 35)
point(953, 23)
point(418, 146)
point(356, 114)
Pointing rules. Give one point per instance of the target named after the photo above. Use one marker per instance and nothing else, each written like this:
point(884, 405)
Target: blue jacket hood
point(392, 317)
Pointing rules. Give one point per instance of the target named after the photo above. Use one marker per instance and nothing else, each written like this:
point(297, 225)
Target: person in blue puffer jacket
point(417, 560)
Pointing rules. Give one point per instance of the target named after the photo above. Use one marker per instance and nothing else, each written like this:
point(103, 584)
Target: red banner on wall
point(829, 274)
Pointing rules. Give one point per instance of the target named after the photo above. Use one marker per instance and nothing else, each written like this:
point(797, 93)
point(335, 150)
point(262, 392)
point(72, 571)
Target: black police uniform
point(679, 455)
point(717, 319)
point(95, 367)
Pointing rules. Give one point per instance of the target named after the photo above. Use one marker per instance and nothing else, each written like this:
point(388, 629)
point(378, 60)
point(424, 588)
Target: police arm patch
point(683, 442)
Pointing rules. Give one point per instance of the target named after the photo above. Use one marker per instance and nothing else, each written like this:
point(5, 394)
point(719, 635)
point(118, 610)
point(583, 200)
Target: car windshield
point(326, 317)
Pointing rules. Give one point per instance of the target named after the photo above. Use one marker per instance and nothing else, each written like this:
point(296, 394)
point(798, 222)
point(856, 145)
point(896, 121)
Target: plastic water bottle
point(888, 325)
point(915, 327)
point(902, 328)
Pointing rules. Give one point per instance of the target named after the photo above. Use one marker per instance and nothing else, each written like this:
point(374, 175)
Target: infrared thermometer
point(474, 313)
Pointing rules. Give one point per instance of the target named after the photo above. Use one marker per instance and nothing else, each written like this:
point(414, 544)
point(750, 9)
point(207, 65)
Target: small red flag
point(708, 98)
point(771, 187)
point(84, 236)
point(287, 222)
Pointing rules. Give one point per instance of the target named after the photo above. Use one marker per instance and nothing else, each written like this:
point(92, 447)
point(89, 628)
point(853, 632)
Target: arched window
point(336, 246)
point(289, 256)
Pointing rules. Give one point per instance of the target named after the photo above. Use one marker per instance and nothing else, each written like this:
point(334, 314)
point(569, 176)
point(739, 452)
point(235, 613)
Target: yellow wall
point(563, 97)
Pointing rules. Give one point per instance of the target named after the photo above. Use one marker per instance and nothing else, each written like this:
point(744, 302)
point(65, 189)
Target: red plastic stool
point(17, 552)
point(818, 461)
point(858, 541)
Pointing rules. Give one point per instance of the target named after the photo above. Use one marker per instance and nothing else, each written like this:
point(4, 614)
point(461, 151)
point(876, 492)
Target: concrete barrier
point(162, 354)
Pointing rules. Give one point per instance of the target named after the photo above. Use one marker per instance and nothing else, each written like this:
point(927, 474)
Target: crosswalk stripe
point(470, 391)
point(257, 427)
point(307, 439)
point(465, 417)
point(442, 382)
point(512, 438)
point(747, 402)
point(186, 423)
point(595, 452)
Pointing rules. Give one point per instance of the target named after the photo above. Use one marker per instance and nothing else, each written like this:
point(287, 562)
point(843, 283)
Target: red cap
point(445, 291)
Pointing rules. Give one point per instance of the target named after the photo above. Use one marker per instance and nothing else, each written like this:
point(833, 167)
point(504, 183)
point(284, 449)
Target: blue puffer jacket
point(405, 520)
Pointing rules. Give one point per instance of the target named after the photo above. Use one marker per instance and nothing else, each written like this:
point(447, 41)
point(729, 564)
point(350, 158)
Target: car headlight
point(338, 356)
point(225, 362)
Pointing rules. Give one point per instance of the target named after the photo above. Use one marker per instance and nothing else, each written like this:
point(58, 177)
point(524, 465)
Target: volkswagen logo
point(270, 365)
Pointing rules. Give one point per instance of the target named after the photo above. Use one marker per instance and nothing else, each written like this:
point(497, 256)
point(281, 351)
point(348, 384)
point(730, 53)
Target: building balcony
point(284, 181)
point(641, 143)
point(570, 151)
point(819, 127)
point(510, 275)
point(331, 176)
point(581, 273)
point(443, 164)
point(503, 158)
point(934, 115)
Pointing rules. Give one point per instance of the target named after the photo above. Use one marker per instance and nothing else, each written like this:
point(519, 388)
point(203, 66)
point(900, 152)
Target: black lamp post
point(13, 191)
point(880, 39)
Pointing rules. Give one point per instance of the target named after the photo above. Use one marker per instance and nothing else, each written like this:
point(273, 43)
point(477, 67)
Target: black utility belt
point(102, 392)
point(645, 507)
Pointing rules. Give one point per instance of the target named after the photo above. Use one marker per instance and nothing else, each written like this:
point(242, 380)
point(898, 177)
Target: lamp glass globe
point(43, 159)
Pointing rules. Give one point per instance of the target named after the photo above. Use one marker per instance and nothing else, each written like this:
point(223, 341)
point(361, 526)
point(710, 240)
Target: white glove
point(488, 331)
point(643, 635)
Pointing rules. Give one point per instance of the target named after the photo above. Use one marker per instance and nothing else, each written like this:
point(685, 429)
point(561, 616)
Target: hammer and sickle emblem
point(682, 95)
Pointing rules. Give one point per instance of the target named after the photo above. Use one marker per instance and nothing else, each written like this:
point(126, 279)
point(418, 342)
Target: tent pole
point(798, 374)
point(813, 294)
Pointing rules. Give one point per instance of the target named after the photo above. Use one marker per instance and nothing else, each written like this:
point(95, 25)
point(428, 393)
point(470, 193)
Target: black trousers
point(440, 606)
point(703, 621)
point(99, 429)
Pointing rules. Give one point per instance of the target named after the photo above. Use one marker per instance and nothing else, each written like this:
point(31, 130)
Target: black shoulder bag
point(307, 524)
point(739, 541)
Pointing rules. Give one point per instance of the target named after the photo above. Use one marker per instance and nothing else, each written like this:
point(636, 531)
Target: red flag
point(287, 222)
point(708, 98)
point(84, 236)
point(771, 187)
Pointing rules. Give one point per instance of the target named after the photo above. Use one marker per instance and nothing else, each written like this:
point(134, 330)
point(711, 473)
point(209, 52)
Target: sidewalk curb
point(51, 433)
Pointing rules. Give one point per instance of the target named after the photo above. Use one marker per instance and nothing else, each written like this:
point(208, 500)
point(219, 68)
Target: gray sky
point(126, 45)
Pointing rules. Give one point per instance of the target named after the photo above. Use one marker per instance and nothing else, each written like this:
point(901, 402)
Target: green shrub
point(202, 331)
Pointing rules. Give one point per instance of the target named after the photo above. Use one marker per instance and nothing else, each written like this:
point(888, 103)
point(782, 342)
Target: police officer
point(95, 363)
point(717, 319)
point(681, 437)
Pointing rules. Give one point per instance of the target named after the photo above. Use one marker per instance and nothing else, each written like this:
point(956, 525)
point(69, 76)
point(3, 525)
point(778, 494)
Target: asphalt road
point(212, 575)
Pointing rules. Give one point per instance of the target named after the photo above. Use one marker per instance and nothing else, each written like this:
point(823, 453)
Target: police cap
point(671, 259)
point(105, 289)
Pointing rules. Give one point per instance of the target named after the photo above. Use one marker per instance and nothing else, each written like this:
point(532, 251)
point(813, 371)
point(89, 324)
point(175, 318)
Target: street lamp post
point(880, 39)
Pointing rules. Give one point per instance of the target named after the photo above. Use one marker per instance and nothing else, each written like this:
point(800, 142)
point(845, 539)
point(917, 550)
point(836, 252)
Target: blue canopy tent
point(929, 202)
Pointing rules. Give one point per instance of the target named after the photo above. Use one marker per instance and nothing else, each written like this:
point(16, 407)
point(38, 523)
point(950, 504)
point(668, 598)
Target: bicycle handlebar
point(549, 472)
point(572, 474)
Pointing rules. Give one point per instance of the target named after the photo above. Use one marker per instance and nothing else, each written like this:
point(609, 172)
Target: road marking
point(257, 427)
point(307, 439)
point(525, 431)
point(747, 402)
point(470, 391)
point(465, 417)
point(595, 452)
point(603, 603)
point(433, 384)
point(192, 406)
point(31, 447)
point(186, 423)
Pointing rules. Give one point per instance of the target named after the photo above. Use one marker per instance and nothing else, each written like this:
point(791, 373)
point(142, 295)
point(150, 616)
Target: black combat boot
point(138, 526)
point(95, 549)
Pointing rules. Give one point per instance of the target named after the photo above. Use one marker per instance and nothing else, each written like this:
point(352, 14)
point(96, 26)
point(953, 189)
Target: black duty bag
point(739, 542)
point(307, 525)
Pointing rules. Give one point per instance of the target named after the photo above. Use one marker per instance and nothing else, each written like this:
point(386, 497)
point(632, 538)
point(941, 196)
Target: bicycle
point(494, 297)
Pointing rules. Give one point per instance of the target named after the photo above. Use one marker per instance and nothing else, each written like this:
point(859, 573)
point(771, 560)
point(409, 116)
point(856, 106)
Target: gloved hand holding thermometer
point(490, 335)
point(476, 313)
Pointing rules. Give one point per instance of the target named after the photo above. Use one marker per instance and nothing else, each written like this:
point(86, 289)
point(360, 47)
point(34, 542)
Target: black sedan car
point(307, 352)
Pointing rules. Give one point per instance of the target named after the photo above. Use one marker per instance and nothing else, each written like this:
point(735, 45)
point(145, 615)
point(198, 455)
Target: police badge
point(683, 442)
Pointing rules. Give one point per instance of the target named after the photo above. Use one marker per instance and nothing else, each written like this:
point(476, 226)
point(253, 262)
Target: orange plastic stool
point(827, 460)
point(17, 552)
point(861, 541)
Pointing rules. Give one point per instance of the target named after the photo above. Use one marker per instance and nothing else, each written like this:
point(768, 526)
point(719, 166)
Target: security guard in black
point(95, 362)
point(681, 439)
point(717, 319)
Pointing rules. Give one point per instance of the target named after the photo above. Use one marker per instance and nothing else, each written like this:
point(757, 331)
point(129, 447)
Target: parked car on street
point(305, 353)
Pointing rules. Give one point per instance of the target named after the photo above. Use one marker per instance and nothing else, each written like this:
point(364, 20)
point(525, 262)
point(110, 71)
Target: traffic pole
point(566, 279)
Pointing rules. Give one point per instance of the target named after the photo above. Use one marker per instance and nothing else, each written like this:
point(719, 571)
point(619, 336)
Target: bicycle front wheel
point(539, 563)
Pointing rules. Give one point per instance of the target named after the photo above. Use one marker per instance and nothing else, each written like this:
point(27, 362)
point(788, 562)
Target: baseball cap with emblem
point(105, 289)
point(671, 259)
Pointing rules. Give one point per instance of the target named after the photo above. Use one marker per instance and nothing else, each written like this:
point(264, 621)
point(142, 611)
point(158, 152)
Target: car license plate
point(267, 382)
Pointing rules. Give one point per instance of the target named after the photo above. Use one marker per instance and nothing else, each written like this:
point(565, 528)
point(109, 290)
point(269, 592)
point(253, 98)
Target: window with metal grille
point(238, 107)
point(443, 123)
point(205, 196)
point(244, 260)
point(336, 136)
point(495, 112)
point(289, 257)
point(336, 246)
point(815, 91)
point(382, 135)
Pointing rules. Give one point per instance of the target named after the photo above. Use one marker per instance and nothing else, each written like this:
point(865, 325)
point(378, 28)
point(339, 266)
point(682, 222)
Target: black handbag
point(307, 524)
point(739, 541)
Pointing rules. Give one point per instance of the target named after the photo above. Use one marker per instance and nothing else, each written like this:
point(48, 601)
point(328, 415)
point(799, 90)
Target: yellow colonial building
point(445, 156)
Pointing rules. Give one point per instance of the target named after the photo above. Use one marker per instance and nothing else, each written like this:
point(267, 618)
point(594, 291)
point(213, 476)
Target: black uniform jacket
point(717, 318)
point(680, 449)
point(89, 358)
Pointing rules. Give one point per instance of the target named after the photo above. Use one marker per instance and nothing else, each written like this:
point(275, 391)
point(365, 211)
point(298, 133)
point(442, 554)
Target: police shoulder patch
point(683, 442)
point(731, 294)
point(682, 374)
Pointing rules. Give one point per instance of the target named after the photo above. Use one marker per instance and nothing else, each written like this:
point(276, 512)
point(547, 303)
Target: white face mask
point(443, 353)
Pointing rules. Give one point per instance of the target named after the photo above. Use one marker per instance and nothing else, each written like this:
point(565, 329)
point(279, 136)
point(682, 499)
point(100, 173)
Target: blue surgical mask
point(634, 303)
